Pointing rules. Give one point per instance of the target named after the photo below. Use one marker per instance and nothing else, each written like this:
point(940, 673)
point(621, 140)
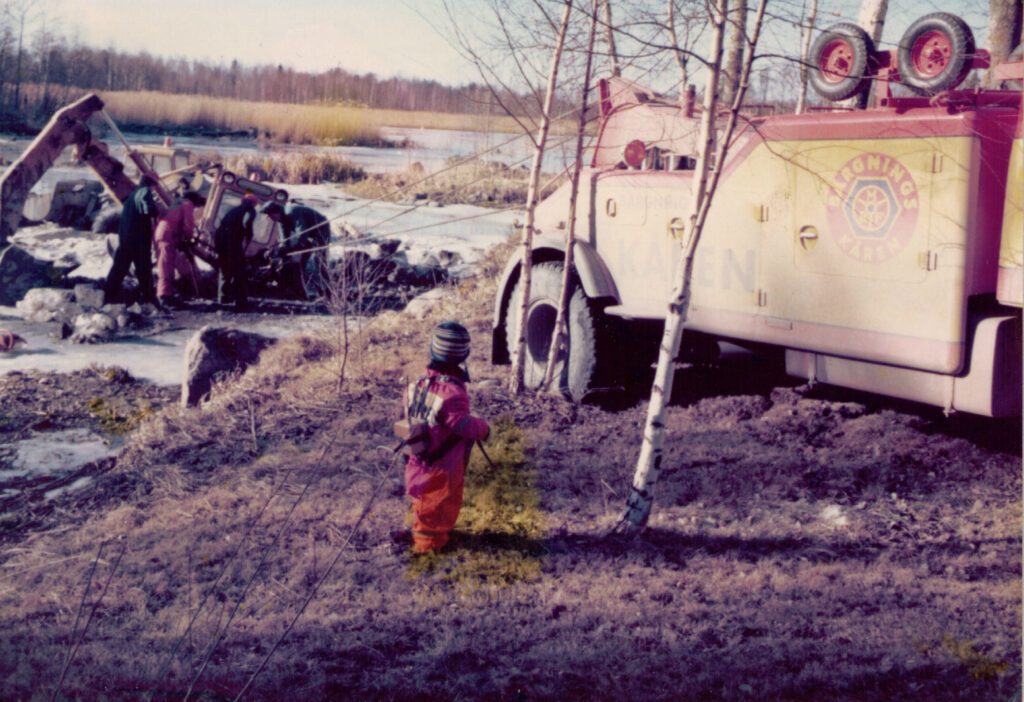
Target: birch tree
point(609, 33)
point(559, 340)
point(705, 181)
point(737, 21)
point(805, 45)
point(516, 377)
point(1004, 32)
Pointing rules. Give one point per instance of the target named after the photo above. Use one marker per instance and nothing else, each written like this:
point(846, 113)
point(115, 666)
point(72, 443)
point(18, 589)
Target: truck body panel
point(864, 242)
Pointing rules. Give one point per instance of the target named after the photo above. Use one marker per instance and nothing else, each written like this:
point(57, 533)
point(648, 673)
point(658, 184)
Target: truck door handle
point(808, 237)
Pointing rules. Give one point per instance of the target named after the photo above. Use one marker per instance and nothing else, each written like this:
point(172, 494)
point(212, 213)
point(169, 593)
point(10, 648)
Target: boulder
point(93, 327)
point(21, 272)
point(216, 353)
point(421, 305)
point(88, 296)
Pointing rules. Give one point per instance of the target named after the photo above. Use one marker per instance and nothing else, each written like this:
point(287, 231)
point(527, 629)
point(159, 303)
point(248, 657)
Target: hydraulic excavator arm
point(66, 128)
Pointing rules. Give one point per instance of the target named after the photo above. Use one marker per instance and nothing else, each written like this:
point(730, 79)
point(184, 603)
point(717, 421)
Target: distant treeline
point(53, 67)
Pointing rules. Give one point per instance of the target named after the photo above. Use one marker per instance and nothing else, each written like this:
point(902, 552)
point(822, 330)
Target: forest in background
point(42, 71)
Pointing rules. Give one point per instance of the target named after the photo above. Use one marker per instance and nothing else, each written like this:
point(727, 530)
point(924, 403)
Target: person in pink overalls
point(434, 480)
point(173, 229)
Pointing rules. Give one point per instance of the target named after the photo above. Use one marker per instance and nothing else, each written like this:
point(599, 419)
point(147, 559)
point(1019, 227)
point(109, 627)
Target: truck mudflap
point(990, 387)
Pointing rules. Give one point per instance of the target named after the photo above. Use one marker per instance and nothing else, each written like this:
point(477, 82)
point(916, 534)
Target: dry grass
point(279, 166)
point(802, 548)
point(287, 123)
point(476, 182)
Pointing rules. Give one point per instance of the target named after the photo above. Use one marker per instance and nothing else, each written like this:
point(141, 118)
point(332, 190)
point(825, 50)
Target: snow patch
point(58, 452)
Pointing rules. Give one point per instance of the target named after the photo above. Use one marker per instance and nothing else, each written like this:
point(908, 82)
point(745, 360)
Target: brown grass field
point(805, 544)
point(288, 123)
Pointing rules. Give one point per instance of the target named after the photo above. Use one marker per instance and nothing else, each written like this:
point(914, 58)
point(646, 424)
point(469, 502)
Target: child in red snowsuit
point(434, 479)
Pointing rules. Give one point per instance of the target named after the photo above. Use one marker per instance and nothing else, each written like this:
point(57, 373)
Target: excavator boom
point(66, 128)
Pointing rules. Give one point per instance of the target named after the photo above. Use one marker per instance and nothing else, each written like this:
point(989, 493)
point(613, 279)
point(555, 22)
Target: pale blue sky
point(386, 37)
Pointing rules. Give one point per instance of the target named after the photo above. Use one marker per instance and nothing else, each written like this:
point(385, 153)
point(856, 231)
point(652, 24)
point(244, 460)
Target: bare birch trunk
point(684, 76)
point(737, 17)
point(1004, 32)
point(641, 493)
point(559, 340)
point(872, 17)
point(805, 46)
point(613, 54)
point(516, 380)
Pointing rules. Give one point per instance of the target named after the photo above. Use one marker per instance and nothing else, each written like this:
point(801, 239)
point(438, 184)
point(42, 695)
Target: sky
point(386, 37)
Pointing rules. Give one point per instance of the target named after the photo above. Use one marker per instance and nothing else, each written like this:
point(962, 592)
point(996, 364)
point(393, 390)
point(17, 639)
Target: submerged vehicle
point(878, 249)
point(280, 265)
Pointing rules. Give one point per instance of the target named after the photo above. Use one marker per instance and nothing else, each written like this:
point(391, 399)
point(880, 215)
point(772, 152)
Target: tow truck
point(878, 249)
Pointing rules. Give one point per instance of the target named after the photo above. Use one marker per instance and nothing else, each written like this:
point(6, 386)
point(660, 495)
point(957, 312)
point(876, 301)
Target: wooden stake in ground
point(516, 379)
point(641, 493)
point(559, 340)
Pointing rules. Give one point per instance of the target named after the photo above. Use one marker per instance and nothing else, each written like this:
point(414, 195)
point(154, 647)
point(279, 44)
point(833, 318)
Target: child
point(434, 479)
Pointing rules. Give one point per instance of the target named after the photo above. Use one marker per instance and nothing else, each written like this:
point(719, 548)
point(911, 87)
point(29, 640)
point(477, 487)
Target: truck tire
point(107, 220)
point(575, 369)
point(843, 61)
point(935, 53)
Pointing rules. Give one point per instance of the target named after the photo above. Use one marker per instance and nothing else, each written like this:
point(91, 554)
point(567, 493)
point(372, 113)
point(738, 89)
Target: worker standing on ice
point(230, 241)
point(434, 478)
point(173, 229)
point(134, 243)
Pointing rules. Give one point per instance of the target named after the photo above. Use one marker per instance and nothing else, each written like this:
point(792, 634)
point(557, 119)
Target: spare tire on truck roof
point(935, 53)
point(842, 59)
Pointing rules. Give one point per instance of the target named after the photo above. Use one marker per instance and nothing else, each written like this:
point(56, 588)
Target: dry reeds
point(286, 123)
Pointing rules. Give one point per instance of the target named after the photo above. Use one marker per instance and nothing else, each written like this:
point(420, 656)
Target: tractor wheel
point(842, 60)
point(935, 53)
point(107, 220)
point(575, 366)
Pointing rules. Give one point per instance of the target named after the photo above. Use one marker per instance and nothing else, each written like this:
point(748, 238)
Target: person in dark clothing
point(134, 244)
point(305, 235)
point(230, 240)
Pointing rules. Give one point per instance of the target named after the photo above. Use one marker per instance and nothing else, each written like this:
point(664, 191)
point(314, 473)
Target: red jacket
point(446, 411)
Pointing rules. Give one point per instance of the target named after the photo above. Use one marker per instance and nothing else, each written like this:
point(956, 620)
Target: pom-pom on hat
point(449, 343)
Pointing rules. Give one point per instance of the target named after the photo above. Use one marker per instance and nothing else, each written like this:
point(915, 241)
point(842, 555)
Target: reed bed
point(287, 123)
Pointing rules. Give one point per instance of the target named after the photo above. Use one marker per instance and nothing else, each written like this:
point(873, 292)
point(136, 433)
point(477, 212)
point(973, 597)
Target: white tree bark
point(872, 17)
point(805, 45)
point(559, 340)
point(613, 54)
point(516, 379)
point(641, 494)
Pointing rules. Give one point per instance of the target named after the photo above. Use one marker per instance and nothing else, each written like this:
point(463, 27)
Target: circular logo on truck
point(872, 207)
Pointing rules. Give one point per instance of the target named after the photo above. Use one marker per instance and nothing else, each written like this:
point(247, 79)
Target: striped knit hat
point(449, 343)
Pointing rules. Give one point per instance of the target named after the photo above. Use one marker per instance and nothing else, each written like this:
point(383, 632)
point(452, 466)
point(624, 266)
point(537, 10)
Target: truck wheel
point(575, 366)
point(107, 220)
point(935, 53)
point(843, 57)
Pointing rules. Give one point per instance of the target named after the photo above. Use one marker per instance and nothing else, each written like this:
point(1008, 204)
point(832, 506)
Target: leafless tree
point(640, 499)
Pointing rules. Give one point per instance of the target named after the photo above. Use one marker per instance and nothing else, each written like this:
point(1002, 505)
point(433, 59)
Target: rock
point(88, 296)
point(421, 305)
point(93, 327)
point(388, 247)
point(214, 353)
point(41, 304)
point(21, 272)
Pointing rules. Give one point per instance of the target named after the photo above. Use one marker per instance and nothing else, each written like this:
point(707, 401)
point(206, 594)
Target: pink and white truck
point(879, 249)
